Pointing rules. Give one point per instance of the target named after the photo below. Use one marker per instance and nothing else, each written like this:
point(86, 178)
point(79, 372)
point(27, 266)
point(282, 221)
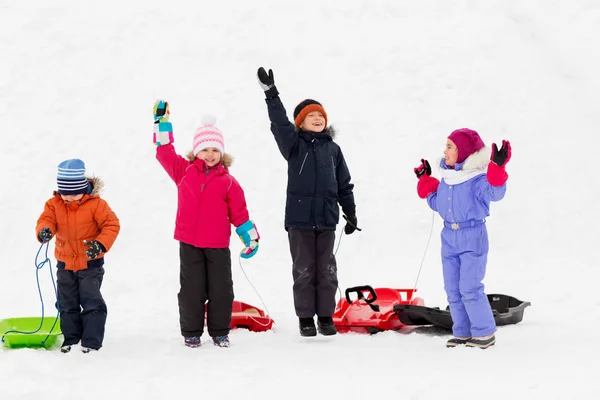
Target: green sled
point(17, 340)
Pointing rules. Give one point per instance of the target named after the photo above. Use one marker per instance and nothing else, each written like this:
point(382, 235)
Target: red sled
point(363, 315)
point(247, 316)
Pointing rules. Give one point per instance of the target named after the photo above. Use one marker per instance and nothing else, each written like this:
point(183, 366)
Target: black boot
point(307, 327)
point(326, 326)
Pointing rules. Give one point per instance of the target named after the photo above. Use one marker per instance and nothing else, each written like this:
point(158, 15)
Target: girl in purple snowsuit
point(471, 179)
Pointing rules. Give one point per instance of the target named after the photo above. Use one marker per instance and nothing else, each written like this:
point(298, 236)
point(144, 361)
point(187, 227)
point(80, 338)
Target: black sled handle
point(359, 294)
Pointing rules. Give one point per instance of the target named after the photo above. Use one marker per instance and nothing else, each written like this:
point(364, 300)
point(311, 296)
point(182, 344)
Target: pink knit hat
point(467, 142)
point(208, 135)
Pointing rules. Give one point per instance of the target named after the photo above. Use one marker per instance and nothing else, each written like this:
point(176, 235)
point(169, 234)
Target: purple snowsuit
point(463, 206)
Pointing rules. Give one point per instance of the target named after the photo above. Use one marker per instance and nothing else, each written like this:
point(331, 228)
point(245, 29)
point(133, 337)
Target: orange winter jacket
point(71, 223)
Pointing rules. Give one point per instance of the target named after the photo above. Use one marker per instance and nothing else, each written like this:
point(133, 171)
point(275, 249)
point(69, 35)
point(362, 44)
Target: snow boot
point(65, 349)
point(221, 341)
point(457, 341)
point(307, 327)
point(482, 342)
point(325, 326)
point(192, 341)
point(86, 350)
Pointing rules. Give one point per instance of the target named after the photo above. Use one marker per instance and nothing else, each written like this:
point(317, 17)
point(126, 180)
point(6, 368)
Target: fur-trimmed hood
point(226, 159)
point(97, 185)
point(330, 130)
point(478, 160)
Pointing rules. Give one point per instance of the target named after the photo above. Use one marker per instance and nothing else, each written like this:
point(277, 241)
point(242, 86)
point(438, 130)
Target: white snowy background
point(78, 79)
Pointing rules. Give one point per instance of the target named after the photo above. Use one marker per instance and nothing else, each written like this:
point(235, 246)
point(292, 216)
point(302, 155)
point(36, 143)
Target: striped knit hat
point(71, 177)
point(208, 135)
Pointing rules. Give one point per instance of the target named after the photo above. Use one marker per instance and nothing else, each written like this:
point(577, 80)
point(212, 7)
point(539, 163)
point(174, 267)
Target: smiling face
point(210, 155)
point(313, 122)
point(450, 153)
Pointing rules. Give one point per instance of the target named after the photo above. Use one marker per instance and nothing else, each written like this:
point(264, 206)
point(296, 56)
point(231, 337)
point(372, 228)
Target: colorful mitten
point(249, 236)
point(163, 129)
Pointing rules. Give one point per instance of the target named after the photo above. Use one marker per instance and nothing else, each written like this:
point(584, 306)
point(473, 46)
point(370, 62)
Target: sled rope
point(334, 254)
point(258, 294)
point(425, 252)
point(39, 266)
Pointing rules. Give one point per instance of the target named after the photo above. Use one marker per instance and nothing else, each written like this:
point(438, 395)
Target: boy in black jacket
point(318, 179)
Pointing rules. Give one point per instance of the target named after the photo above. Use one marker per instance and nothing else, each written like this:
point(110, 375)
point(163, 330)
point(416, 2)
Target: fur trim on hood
point(226, 159)
point(478, 160)
point(330, 130)
point(97, 186)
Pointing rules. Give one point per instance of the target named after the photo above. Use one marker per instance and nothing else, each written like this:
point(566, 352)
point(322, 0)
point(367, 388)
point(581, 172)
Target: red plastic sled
point(363, 315)
point(248, 317)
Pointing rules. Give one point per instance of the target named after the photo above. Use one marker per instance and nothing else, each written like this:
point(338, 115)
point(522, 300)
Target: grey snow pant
point(314, 270)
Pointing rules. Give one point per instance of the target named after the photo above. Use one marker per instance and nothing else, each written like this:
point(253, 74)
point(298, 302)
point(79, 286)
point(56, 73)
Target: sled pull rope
point(39, 266)
point(258, 294)
point(425, 252)
point(335, 253)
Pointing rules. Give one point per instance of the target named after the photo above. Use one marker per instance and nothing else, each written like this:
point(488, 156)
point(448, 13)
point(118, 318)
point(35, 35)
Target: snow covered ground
point(78, 79)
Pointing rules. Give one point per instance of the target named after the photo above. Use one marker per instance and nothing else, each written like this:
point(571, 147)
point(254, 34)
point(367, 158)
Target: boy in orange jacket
point(85, 228)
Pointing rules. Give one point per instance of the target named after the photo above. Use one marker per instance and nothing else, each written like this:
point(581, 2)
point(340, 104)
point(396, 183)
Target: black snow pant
point(205, 275)
point(82, 308)
point(314, 270)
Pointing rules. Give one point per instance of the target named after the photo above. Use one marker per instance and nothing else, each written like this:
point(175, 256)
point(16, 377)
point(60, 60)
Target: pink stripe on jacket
point(208, 200)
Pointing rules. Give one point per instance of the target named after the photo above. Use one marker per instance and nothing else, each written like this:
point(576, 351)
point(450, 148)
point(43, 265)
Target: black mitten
point(45, 235)
point(423, 169)
point(95, 249)
point(267, 82)
point(351, 224)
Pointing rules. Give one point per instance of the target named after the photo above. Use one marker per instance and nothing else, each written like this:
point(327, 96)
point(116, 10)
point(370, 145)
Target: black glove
point(501, 157)
point(267, 83)
point(351, 224)
point(423, 169)
point(45, 235)
point(95, 249)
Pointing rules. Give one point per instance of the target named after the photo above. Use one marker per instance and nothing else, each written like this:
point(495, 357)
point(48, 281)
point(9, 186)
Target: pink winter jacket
point(209, 200)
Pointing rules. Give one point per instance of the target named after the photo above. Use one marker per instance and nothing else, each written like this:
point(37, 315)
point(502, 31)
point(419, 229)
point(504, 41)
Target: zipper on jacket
point(303, 161)
point(314, 202)
point(333, 167)
point(202, 187)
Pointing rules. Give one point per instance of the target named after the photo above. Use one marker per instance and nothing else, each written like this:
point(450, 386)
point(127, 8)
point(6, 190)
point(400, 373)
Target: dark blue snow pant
point(82, 308)
point(314, 270)
point(464, 259)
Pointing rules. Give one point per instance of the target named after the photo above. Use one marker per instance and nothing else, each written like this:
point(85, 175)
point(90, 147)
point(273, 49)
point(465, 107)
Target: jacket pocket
point(331, 211)
point(298, 208)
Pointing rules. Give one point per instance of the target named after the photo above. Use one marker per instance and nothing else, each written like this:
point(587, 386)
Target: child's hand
point(161, 111)
point(163, 130)
point(351, 224)
point(249, 236)
point(45, 235)
point(502, 156)
point(267, 83)
point(250, 250)
point(94, 250)
point(423, 169)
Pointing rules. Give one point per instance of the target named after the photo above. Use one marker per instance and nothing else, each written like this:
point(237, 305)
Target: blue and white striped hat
point(71, 177)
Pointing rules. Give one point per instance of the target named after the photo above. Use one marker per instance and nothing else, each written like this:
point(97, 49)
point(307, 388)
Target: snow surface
point(78, 79)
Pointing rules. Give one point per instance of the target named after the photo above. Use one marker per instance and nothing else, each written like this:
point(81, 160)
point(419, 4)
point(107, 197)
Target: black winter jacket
point(318, 177)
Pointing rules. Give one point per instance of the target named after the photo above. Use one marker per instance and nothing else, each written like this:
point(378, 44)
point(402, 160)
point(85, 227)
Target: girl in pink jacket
point(209, 201)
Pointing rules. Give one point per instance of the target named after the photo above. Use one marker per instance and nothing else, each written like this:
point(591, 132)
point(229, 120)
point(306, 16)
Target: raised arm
point(282, 128)
point(174, 164)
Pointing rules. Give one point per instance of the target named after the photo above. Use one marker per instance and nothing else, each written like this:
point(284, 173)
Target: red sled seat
point(247, 316)
point(373, 310)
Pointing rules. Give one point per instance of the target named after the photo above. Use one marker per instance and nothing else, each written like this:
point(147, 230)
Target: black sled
point(507, 311)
